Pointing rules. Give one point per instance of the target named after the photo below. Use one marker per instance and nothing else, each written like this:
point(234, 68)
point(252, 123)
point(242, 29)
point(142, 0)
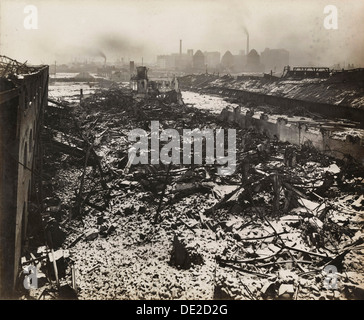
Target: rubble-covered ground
point(330, 90)
point(287, 225)
point(339, 128)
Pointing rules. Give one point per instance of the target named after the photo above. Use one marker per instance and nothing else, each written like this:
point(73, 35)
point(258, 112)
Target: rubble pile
point(288, 224)
point(325, 90)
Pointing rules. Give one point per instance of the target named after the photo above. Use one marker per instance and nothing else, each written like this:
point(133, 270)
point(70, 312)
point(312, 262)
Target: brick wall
point(21, 114)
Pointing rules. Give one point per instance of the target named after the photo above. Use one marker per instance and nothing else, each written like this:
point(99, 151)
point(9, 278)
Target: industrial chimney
point(247, 43)
point(180, 47)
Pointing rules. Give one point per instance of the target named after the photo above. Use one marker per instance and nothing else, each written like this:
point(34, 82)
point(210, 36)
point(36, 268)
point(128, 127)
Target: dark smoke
point(89, 51)
point(102, 54)
point(119, 44)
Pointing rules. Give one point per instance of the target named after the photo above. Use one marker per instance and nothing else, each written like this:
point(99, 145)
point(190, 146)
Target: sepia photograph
point(169, 151)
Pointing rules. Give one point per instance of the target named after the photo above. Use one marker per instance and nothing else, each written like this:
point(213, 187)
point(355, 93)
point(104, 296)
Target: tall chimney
point(180, 47)
point(247, 44)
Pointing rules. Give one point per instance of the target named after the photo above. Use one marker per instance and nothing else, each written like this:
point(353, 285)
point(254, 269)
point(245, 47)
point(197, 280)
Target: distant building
point(83, 76)
point(212, 59)
point(239, 61)
point(190, 52)
point(166, 61)
point(139, 82)
point(253, 62)
point(120, 75)
point(198, 61)
point(105, 71)
point(274, 59)
point(162, 61)
point(227, 61)
point(182, 61)
point(175, 61)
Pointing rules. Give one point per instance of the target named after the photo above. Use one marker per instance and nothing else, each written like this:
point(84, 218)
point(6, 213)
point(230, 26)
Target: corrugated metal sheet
point(344, 94)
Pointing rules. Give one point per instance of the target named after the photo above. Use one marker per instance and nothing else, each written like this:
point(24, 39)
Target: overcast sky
point(133, 29)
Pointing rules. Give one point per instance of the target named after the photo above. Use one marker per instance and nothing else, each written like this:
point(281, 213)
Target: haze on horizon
point(132, 29)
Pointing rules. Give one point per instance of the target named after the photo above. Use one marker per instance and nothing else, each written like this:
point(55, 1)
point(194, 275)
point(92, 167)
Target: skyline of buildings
point(269, 60)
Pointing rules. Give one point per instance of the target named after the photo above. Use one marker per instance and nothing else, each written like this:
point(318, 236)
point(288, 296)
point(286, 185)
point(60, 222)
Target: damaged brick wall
point(21, 114)
point(327, 109)
point(297, 134)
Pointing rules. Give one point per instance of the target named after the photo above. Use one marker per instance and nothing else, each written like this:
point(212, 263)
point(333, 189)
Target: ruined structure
point(265, 232)
point(337, 97)
point(23, 97)
point(143, 88)
point(139, 82)
point(306, 72)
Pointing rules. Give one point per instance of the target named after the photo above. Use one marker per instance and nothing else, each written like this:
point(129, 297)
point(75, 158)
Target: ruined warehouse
point(23, 98)
point(95, 225)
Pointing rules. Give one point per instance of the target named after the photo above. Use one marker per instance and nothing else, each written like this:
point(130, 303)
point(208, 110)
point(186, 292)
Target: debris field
point(288, 224)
